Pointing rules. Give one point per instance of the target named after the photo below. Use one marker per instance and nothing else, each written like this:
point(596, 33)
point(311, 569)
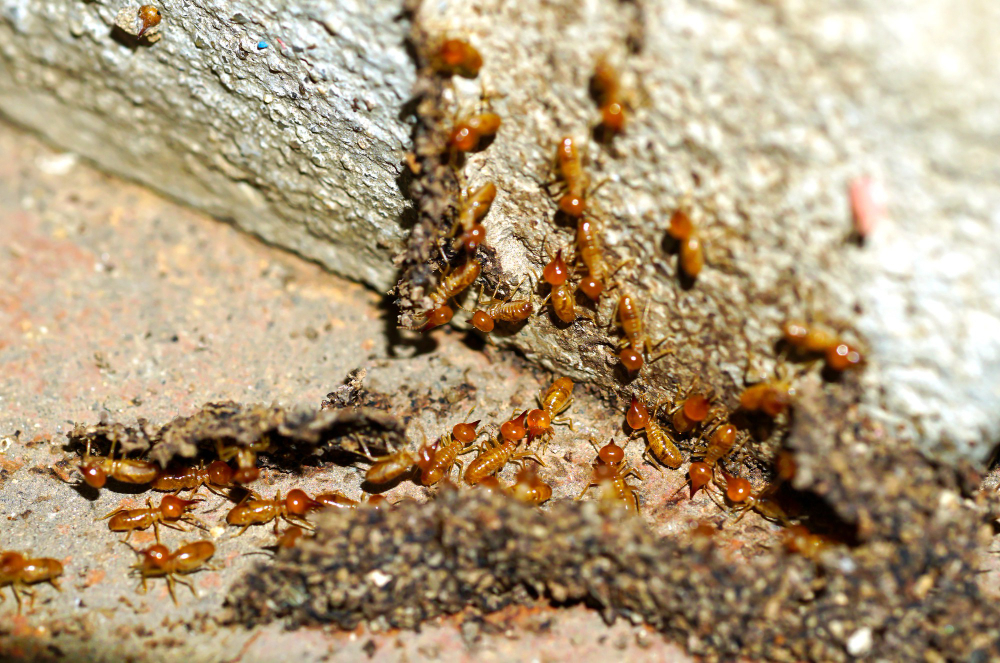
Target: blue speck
point(261, 45)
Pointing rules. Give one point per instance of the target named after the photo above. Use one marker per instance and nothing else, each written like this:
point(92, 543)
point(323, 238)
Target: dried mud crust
point(901, 585)
point(293, 433)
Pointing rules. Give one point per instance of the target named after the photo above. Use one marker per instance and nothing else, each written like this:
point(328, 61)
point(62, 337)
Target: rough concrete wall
point(299, 142)
point(763, 112)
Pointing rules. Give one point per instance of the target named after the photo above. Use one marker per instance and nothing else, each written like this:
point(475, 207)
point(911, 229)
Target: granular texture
point(295, 432)
point(906, 591)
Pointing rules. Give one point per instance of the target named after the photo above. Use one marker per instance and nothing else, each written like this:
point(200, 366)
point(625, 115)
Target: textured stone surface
point(763, 113)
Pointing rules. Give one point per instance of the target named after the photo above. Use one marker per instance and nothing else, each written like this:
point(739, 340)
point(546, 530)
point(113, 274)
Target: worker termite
point(97, 469)
point(659, 444)
point(492, 486)
point(798, 539)
point(436, 460)
point(573, 184)
point(609, 475)
point(556, 400)
point(529, 488)
point(691, 409)
point(158, 562)
point(292, 508)
point(502, 310)
point(471, 212)
point(818, 339)
point(605, 87)
point(467, 134)
point(588, 242)
point(739, 491)
point(456, 57)
point(496, 455)
point(335, 499)
point(636, 340)
point(214, 476)
point(452, 283)
point(168, 513)
point(18, 572)
point(390, 466)
point(772, 397)
point(149, 17)
point(691, 254)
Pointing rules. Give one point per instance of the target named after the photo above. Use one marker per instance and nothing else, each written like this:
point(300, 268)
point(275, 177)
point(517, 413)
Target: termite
point(553, 402)
point(605, 86)
point(150, 17)
point(529, 488)
point(467, 134)
point(390, 466)
point(636, 340)
point(246, 458)
point(609, 475)
point(721, 440)
point(436, 460)
point(492, 486)
point(292, 508)
point(690, 410)
point(97, 469)
point(562, 294)
point(158, 562)
point(493, 458)
point(214, 476)
point(335, 499)
point(170, 510)
point(588, 243)
point(456, 57)
point(452, 283)
point(818, 339)
point(659, 444)
point(691, 256)
point(471, 212)
point(18, 572)
point(503, 310)
point(798, 539)
point(739, 491)
point(573, 180)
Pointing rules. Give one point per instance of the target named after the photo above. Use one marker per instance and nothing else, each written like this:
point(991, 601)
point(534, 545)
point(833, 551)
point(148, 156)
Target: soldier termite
point(158, 562)
point(456, 57)
point(659, 445)
point(494, 457)
point(292, 508)
point(149, 16)
point(97, 469)
point(168, 513)
point(609, 475)
point(19, 572)
point(214, 476)
point(721, 440)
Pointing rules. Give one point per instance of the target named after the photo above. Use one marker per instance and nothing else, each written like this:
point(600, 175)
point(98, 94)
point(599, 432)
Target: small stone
point(860, 642)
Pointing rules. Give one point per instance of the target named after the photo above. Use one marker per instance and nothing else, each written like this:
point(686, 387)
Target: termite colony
point(720, 442)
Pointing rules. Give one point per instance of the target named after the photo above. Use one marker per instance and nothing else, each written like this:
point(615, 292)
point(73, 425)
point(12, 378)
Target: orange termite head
point(637, 415)
point(456, 56)
point(10, 563)
point(219, 473)
point(93, 474)
point(463, 138)
point(465, 432)
point(557, 271)
point(439, 316)
point(514, 430)
point(173, 507)
point(246, 474)
point(631, 359)
point(613, 117)
point(483, 321)
point(572, 205)
point(776, 399)
point(841, 356)
point(700, 474)
point(681, 225)
point(611, 454)
point(538, 422)
point(591, 287)
point(696, 407)
point(738, 489)
point(473, 237)
point(150, 17)
point(155, 556)
point(298, 503)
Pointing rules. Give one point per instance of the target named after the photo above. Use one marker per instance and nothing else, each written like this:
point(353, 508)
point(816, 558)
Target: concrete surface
point(763, 112)
point(117, 304)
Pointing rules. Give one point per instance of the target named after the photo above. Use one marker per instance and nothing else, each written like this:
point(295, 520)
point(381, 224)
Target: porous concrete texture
point(763, 113)
point(283, 117)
